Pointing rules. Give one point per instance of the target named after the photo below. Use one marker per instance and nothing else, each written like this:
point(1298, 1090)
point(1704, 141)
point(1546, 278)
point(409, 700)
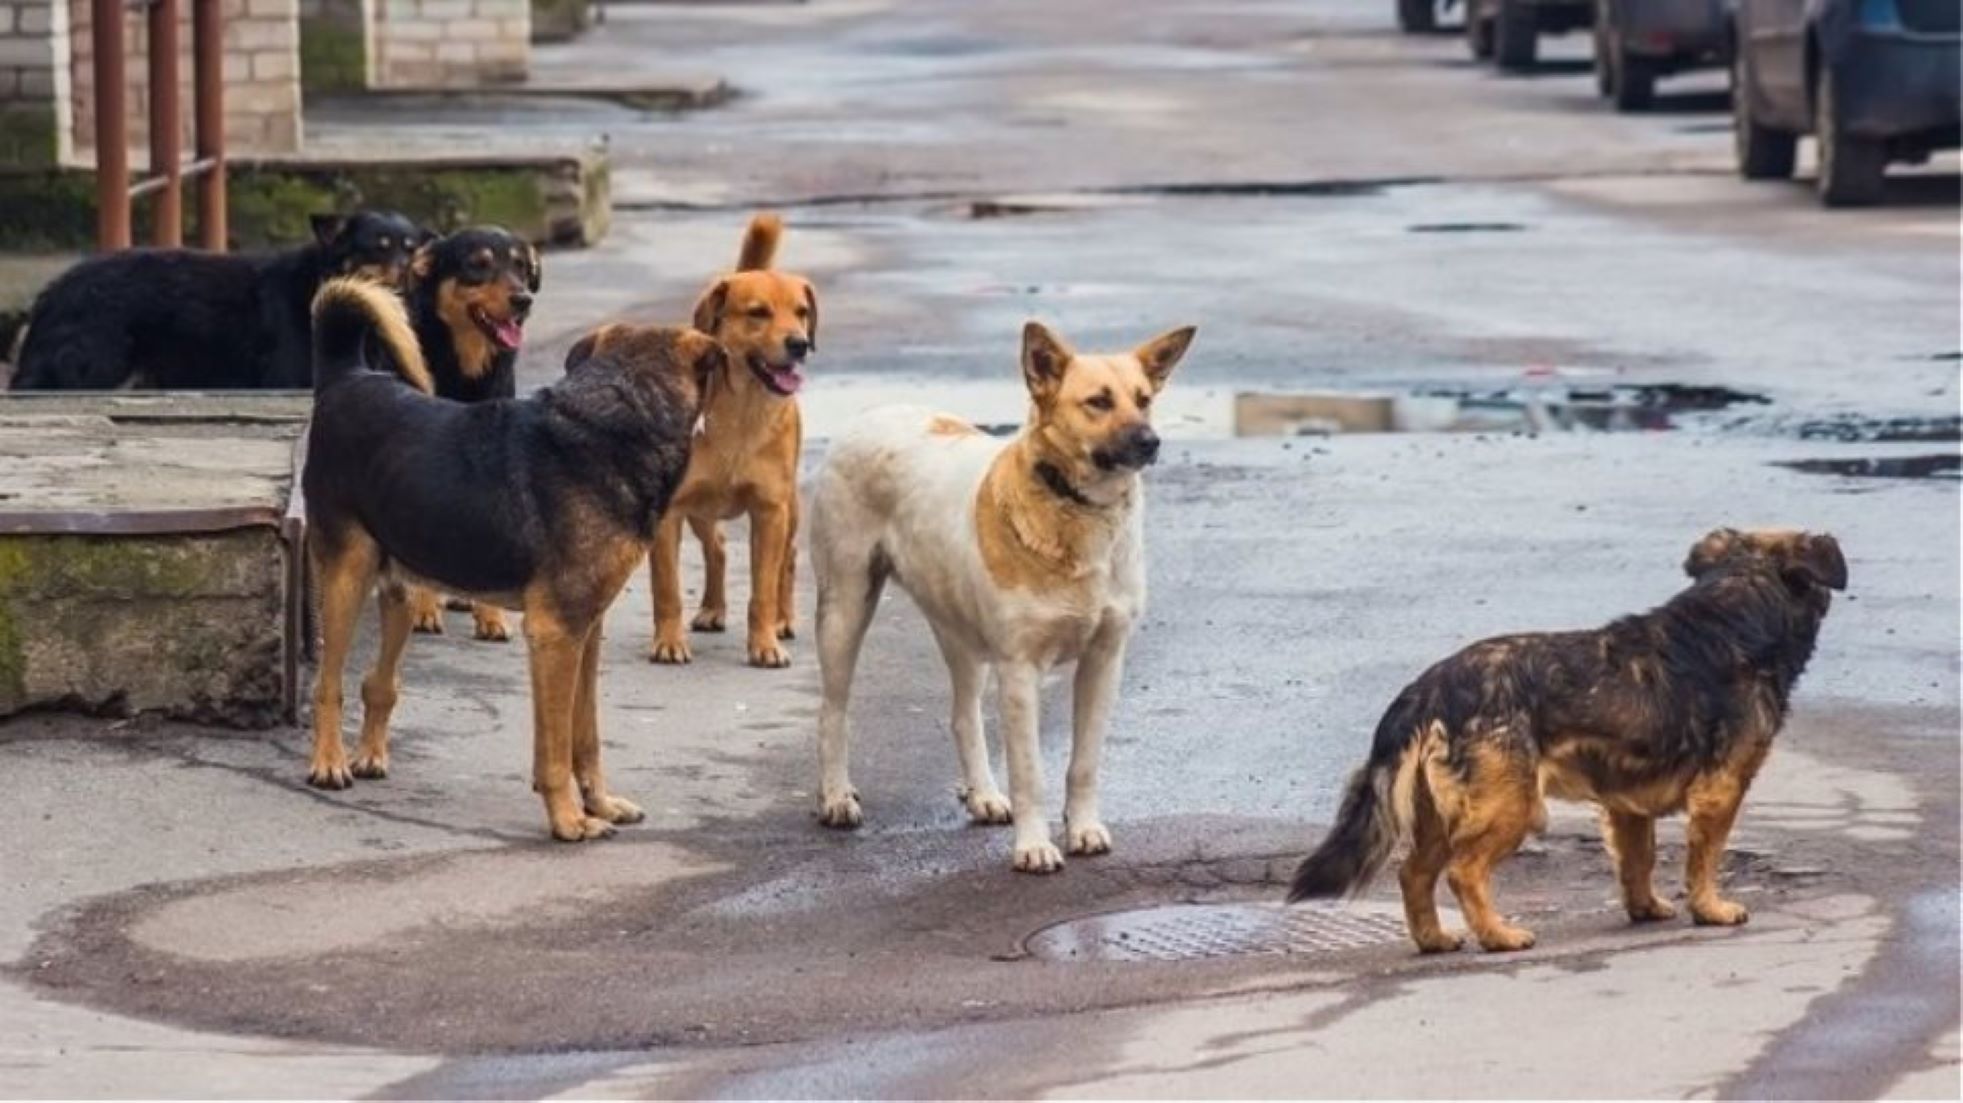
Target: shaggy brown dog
point(1672, 710)
point(746, 457)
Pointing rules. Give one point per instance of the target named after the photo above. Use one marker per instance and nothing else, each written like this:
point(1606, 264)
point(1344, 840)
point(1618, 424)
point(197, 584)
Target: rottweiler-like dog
point(470, 294)
point(181, 319)
point(544, 504)
point(1673, 710)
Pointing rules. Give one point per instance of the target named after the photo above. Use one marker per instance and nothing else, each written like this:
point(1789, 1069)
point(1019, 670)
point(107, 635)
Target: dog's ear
point(424, 262)
point(584, 348)
point(534, 268)
point(1816, 558)
point(1716, 547)
point(327, 227)
point(811, 322)
point(1045, 357)
point(425, 236)
point(1161, 354)
point(709, 308)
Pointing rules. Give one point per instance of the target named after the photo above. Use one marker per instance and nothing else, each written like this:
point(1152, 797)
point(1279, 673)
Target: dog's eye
point(803, 312)
point(1100, 402)
point(387, 242)
point(1144, 401)
point(762, 312)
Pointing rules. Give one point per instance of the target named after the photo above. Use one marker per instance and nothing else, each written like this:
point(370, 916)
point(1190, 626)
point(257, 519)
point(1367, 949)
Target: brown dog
point(745, 459)
point(1670, 711)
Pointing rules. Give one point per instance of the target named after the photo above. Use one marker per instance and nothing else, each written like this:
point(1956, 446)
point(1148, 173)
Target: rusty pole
point(166, 124)
point(208, 64)
point(112, 164)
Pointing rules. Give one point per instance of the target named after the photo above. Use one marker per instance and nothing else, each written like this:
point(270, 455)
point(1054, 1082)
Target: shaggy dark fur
point(181, 319)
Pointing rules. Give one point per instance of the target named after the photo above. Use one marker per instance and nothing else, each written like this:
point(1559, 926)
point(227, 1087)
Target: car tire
point(1478, 32)
point(1763, 153)
point(1852, 168)
point(1516, 36)
point(1632, 79)
point(1417, 16)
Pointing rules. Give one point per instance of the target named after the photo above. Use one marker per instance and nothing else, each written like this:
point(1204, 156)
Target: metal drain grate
point(1194, 932)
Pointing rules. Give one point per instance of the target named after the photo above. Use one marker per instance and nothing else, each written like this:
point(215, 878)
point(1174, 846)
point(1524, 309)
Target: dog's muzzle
point(1135, 448)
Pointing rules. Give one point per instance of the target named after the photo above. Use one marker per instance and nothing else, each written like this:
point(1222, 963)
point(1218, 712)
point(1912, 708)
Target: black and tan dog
point(190, 320)
point(1673, 710)
point(544, 504)
point(470, 294)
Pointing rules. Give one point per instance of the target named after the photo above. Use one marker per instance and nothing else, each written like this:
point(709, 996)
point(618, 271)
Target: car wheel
point(1632, 78)
point(1417, 16)
point(1763, 153)
point(1478, 32)
point(1852, 168)
point(1516, 37)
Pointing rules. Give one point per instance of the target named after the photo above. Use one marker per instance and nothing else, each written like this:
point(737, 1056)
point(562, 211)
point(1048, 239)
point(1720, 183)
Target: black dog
point(183, 319)
point(544, 504)
point(469, 296)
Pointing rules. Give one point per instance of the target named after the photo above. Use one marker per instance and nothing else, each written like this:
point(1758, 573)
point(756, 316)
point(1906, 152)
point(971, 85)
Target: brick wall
point(262, 77)
point(34, 85)
point(420, 43)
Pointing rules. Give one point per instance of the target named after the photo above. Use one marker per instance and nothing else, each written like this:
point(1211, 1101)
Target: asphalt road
point(1337, 208)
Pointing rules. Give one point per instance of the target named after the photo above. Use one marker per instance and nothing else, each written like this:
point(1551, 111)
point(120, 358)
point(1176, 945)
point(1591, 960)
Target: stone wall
point(335, 44)
point(34, 85)
point(450, 43)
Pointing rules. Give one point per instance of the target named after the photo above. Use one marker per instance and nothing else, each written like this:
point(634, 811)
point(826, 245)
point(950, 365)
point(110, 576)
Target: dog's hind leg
point(1631, 840)
point(383, 685)
point(426, 610)
point(984, 800)
point(586, 742)
point(557, 654)
point(487, 623)
point(849, 586)
point(665, 574)
point(713, 616)
point(1418, 877)
point(1499, 807)
point(345, 571)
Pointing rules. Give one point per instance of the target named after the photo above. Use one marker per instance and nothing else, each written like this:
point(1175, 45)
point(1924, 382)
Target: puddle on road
point(1465, 227)
point(1195, 932)
point(1945, 466)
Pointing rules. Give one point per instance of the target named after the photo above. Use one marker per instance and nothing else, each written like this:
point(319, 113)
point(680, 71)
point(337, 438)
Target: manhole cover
point(1194, 932)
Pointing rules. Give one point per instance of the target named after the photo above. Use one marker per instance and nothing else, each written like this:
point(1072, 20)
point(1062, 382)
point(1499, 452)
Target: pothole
point(1199, 932)
point(1946, 466)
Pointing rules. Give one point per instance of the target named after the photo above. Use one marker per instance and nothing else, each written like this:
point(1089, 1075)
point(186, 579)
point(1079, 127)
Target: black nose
point(797, 348)
point(1145, 445)
point(521, 303)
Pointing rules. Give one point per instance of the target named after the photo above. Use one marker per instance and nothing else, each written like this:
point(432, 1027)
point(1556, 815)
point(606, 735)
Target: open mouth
point(783, 380)
point(505, 333)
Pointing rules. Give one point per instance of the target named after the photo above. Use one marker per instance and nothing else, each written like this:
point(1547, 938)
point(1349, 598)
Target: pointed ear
point(709, 308)
point(534, 269)
point(1161, 354)
point(1716, 547)
point(811, 323)
point(426, 236)
point(1817, 559)
point(327, 227)
point(424, 262)
point(1044, 358)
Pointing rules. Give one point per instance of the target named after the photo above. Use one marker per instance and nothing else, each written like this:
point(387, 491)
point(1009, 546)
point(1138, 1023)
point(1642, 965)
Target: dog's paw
point(428, 621)
point(672, 652)
point(615, 809)
point(1439, 942)
point(488, 624)
point(1504, 939)
point(841, 811)
point(1041, 857)
point(766, 653)
point(988, 806)
point(710, 620)
point(1652, 910)
point(1088, 838)
point(330, 774)
point(580, 829)
point(370, 767)
point(1719, 913)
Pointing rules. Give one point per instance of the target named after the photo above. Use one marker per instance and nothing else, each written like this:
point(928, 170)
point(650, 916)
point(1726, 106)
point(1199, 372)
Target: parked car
point(1873, 81)
point(1637, 41)
point(1508, 31)
point(1420, 16)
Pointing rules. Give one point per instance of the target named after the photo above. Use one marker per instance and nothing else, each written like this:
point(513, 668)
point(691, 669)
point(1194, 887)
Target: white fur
point(896, 499)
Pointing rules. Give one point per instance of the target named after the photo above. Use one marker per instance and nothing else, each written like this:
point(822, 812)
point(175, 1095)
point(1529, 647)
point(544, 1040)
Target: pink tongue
point(508, 334)
point(787, 379)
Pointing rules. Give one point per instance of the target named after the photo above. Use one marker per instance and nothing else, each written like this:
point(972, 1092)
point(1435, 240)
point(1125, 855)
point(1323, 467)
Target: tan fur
point(392, 322)
point(745, 460)
point(944, 426)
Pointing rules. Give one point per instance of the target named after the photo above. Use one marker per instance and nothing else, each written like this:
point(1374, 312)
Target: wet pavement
point(1595, 345)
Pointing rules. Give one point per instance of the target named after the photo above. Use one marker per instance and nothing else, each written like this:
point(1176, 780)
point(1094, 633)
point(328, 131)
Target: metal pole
point(112, 165)
point(166, 123)
point(208, 65)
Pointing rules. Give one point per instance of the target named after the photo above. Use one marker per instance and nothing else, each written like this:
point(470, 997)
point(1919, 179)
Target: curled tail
point(760, 243)
point(1371, 819)
point(348, 315)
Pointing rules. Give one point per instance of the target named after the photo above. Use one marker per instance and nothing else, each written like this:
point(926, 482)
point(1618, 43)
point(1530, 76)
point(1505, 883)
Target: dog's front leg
point(557, 652)
point(1713, 803)
point(770, 528)
point(665, 573)
point(586, 742)
point(1096, 688)
point(1019, 684)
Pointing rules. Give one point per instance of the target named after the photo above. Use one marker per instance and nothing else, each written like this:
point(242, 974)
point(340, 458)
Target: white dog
point(1021, 556)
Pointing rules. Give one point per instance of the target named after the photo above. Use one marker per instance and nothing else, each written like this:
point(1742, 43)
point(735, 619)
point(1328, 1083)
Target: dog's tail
point(353, 316)
point(1374, 814)
point(760, 243)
